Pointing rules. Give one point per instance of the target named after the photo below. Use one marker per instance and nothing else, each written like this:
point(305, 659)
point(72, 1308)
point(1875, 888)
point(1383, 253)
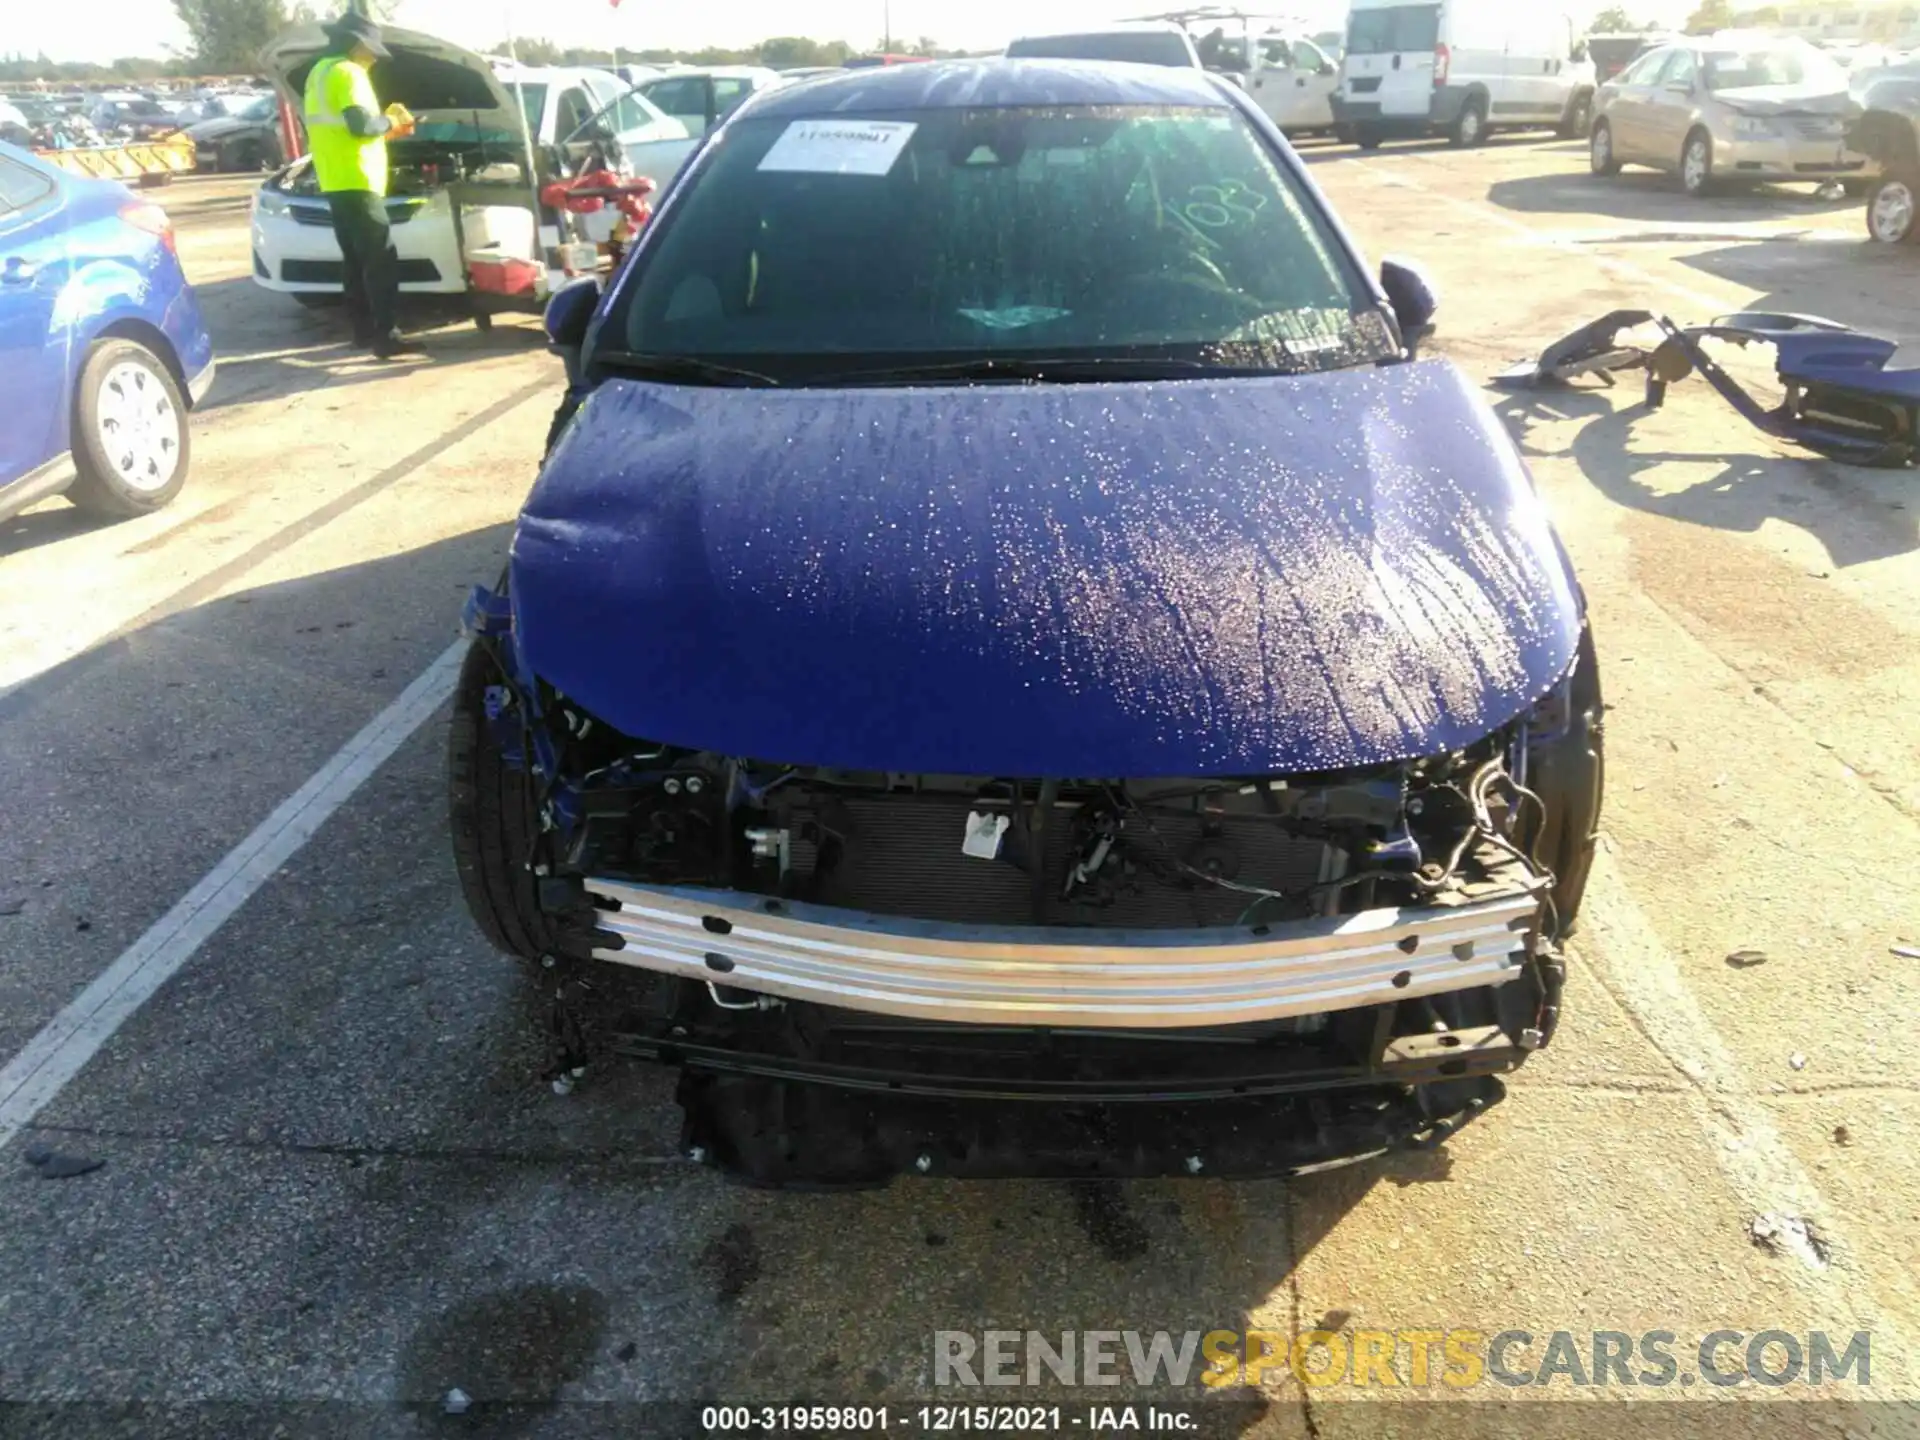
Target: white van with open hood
point(460, 184)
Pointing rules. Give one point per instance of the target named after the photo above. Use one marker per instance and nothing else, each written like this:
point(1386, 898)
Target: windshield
point(264, 108)
point(533, 99)
point(1784, 64)
point(1141, 48)
point(810, 248)
point(1394, 29)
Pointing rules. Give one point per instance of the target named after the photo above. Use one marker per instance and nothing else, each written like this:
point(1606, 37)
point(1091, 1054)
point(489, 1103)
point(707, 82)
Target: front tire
point(130, 438)
point(1601, 158)
point(492, 821)
point(1366, 138)
point(1470, 128)
point(1696, 165)
point(1893, 210)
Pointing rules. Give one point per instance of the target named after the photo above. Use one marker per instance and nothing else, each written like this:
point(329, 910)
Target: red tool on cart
point(591, 191)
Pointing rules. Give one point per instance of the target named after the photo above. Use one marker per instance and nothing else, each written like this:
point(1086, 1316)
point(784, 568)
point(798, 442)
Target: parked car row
point(1458, 68)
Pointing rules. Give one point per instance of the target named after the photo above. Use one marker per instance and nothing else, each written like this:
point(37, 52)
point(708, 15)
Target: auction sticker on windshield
point(839, 147)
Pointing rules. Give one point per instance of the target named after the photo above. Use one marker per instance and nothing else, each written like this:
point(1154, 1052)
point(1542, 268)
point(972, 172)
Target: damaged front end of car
point(1098, 779)
point(862, 974)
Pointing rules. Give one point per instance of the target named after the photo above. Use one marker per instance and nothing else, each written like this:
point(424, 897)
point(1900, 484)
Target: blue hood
point(1197, 577)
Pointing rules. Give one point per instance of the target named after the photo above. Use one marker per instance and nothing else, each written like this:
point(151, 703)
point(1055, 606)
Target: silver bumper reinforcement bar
point(1080, 978)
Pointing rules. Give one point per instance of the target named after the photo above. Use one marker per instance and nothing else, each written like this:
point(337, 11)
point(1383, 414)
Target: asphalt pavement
point(330, 1187)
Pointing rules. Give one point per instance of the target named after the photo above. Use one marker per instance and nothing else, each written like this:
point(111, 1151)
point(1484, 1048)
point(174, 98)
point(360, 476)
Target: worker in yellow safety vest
point(348, 134)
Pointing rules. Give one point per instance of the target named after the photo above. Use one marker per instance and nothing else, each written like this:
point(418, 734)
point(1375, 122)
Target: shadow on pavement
point(1746, 491)
point(271, 346)
point(43, 525)
point(1651, 195)
point(1343, 150)
point(1867, 285)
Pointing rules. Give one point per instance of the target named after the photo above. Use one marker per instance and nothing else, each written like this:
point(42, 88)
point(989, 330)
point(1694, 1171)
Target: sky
point(100, 30)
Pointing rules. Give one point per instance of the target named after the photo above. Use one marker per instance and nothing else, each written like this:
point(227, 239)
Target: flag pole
point(526, 138)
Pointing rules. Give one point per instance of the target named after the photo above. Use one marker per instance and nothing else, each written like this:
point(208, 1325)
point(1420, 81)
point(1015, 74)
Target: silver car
point(1720, 108)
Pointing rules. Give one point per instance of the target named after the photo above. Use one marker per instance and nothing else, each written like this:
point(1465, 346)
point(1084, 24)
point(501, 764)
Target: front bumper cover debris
point(1841, 399)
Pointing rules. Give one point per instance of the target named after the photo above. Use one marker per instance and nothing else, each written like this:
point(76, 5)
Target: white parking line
point(31, 1080)
point(1759, 1167)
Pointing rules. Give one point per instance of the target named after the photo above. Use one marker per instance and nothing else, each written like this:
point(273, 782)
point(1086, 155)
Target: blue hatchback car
point(102, 348)
point(1011, 666)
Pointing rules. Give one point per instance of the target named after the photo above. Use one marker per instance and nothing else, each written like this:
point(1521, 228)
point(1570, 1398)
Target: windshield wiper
point(1059, 369)
point(680, 369)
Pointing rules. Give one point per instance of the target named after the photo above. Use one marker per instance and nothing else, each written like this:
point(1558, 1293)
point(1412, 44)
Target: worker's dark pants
point(371, 272)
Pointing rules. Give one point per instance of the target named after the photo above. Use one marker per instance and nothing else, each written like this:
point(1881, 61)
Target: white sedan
point(470, 135)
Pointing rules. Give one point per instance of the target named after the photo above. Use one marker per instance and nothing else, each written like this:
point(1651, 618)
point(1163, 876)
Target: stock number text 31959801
point(875, 1419)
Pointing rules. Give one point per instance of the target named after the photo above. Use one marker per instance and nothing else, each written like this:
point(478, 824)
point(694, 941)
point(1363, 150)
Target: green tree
point(1613, 21)
point(786, 52)
point(537, 52)
point(228, 35)
point(1711, 15)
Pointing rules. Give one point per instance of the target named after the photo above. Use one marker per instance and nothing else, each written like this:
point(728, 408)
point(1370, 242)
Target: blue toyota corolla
point(1012, 667)
point(102, 349)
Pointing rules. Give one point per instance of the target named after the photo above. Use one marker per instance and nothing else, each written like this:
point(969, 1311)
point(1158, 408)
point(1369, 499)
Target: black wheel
point(490, 814)
point(1600, 157)
point(1579, 117)
point(1696, 164)
point(130, 440)
point(1471, 128)
point(483, 321)
point(1366, 138)
point(1893, 210)
point(247, 157)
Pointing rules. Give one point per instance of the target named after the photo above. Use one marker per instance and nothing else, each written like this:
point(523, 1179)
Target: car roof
point(959, 84)
point(544, 74)
point(718, 72)
point(1117, 27)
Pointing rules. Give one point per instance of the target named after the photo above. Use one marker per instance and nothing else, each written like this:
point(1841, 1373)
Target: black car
point(249, 140)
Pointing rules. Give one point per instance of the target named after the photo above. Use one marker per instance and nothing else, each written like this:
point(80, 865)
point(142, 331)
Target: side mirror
point(1325, 67)
point(1412, 296)
point(568, 314)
